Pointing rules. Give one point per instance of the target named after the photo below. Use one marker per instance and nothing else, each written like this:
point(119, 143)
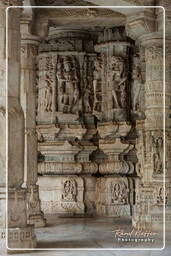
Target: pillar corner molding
point(140, 23)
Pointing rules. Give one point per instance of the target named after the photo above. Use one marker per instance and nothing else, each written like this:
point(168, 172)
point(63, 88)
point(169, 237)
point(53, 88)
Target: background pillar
point(20, 235)
point(29, 48)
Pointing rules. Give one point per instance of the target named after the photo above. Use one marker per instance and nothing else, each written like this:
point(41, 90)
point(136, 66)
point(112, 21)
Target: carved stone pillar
point(2, 126)
point(167, 5)
point(29, 48)
point(20, 235)
point(150, 197)
point(149, 209)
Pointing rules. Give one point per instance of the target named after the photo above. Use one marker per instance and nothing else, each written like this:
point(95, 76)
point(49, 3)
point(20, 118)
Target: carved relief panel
point(46, 84)
point(113, 47)
point(83, 104)
point(68, 84)
point(114, 196)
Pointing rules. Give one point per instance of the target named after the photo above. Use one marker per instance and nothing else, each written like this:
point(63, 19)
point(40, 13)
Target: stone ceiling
point(80, 17)
point(63, 2)
point(86, 18)
point(124, 11)
point(95, 2)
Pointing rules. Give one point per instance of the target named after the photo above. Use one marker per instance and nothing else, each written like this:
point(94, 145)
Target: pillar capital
point(141, 23)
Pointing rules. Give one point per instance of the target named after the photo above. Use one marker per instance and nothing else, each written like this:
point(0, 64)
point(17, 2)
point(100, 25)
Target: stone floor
point(91, 233)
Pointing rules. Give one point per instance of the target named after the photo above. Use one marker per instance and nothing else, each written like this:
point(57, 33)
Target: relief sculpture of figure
point(97, 84)
point(158, 155)
point(68, 84)
point(45, 82)
point(87, 107)
point(118, 193)
point(48, 94)
point(118, 79)
point(87, 88)
point(69, 191)
point(136, 87)
point(61, 85)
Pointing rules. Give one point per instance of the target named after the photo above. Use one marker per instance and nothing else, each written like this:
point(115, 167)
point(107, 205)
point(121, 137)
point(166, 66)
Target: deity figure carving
point(87, 107)
point(160, 197)
point(87, 90)
point(48, 94)
point(118, 79)
point(118, 193)
point(136, 87)
point(45, 81)
point(97, 84)
point(69, 192)
point(68, 84)
point(158, 155)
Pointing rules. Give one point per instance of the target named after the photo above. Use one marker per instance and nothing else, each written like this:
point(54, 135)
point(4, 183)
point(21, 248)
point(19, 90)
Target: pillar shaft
point(29, 48)
point(19, 234)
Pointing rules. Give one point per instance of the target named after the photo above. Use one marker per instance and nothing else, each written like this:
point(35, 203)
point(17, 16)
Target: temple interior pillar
point(151, 192)
point(29, 49)
point(20, 235)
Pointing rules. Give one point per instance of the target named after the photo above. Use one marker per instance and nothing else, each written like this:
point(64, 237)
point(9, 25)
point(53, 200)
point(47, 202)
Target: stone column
point(150, 191)
point(167, 5)
point(2, 126)
point(20, 235)
point(29, 48)
point(150, 196)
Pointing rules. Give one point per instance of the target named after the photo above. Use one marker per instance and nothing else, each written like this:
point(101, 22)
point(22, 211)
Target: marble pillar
point(29, 48)
point(2, 126)
point(152, 196)
point(148, 212)
point(20, 235)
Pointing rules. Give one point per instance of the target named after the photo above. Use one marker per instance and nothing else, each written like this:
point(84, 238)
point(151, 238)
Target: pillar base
point(18, 238)
point(35, 215)
point(37, 220)
point(153, 220)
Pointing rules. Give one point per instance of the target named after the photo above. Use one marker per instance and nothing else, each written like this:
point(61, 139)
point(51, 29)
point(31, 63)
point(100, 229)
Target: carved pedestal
point(20, 235)
point(114, 196)
point(115, 191)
